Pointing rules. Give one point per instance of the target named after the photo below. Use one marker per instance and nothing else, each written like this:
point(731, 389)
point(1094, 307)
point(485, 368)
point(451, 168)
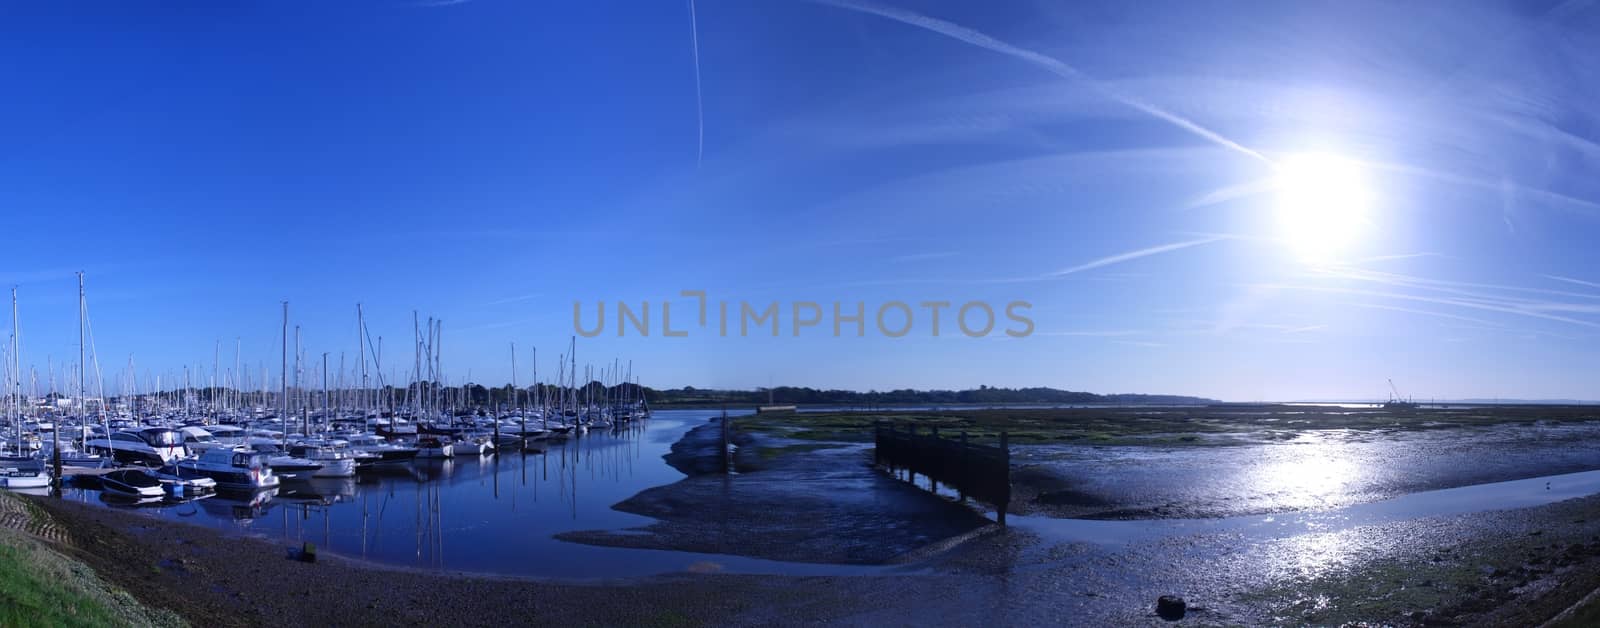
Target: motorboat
point(335, 463)
point(231, 469)
point(23, 472)
point(185, 488)
point(283, 464)
point(151, 446)
point(386, 452)
point(135, 483)
point(199, 439)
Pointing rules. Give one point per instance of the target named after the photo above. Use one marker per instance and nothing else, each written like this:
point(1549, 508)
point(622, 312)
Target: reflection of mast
point(364, 512)
point(575, 487)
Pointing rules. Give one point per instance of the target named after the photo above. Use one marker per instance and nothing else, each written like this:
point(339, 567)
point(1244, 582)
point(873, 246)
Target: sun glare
point(1323, 201)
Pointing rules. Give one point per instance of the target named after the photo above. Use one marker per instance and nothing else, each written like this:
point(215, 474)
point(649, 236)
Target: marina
point(481, 514)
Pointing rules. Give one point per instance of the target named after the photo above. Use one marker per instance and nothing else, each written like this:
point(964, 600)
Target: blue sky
point(1119, 167)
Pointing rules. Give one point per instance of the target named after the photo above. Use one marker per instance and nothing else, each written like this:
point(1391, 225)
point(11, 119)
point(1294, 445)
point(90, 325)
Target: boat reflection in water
point(496, 513)
point(321, 491)
point(242, 508)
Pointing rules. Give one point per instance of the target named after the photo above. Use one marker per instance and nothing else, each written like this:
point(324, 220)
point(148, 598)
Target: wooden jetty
point(982, 472)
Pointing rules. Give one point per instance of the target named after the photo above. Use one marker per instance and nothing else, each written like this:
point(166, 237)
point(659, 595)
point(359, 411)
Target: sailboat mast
point(361, 344)
point(438, 367)
point(283, 375)
point(522, 416)
point(83, 394)
point(16, 371)
point(299, 391)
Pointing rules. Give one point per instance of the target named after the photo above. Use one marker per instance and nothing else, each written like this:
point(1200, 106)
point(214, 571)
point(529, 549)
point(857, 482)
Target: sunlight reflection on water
point(1319, 473)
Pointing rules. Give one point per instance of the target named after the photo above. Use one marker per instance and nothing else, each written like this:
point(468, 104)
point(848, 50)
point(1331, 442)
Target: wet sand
point(1311, 470)
point(1508, 568)
point(823, 505)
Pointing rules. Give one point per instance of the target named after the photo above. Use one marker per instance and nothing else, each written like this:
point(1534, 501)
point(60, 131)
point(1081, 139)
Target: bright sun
point(1323, 202)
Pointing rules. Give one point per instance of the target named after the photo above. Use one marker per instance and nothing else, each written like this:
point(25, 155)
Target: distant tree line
point(791, 395)
point(483, 396)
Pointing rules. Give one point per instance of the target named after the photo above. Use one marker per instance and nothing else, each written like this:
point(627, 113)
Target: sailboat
point(24, 470)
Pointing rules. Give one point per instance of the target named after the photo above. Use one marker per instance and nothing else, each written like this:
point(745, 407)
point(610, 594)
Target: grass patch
point(1168, 426)
point(773, 453)
point(37, 588)
point(40, 586)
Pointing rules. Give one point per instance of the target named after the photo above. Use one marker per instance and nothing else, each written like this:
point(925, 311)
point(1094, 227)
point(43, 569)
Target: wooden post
point(966, 473)
point(911, 468)
point(878, 439)
point(726, 459)
point(1005, 500)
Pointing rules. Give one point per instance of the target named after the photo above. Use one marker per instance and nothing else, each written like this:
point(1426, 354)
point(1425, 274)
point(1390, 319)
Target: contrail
point(699, 105)
point(967, 35)
point(1580, 282)
point(1133, 255)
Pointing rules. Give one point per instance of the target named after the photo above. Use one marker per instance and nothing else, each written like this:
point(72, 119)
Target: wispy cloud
point(1230, 193)
point(1509, 190)
point(1051, 276)
point(922, 257)
point(1133, 255)
point(1139, 343)
point(515, 299)
point(699, 100)
point(1517, 307)
point(1095, 334)
point(1580, 282)
point(1117, 276)
point(1409, 310)
point(1051, 64)
point(1465, 288)
point(500, 324)
point(1393, 258)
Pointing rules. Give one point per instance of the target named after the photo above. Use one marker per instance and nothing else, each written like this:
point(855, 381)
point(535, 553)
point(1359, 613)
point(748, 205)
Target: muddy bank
point(1312, 470)
point(800, 502)
point(695, 453)
point(1510, 568)
point(214, 579)
point(1503, 568)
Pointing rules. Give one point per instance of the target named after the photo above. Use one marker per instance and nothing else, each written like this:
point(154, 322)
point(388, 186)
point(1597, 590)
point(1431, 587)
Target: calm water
point(497, 514)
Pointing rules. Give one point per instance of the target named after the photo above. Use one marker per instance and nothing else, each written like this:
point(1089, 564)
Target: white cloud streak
point(699, 100)
point(515, 299)
point(1408, 310)
point(1133, 255)
point(1092, 334)
point(1051, 64)
point(1505, 307)
point(1580, 282)
point(922, 257)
